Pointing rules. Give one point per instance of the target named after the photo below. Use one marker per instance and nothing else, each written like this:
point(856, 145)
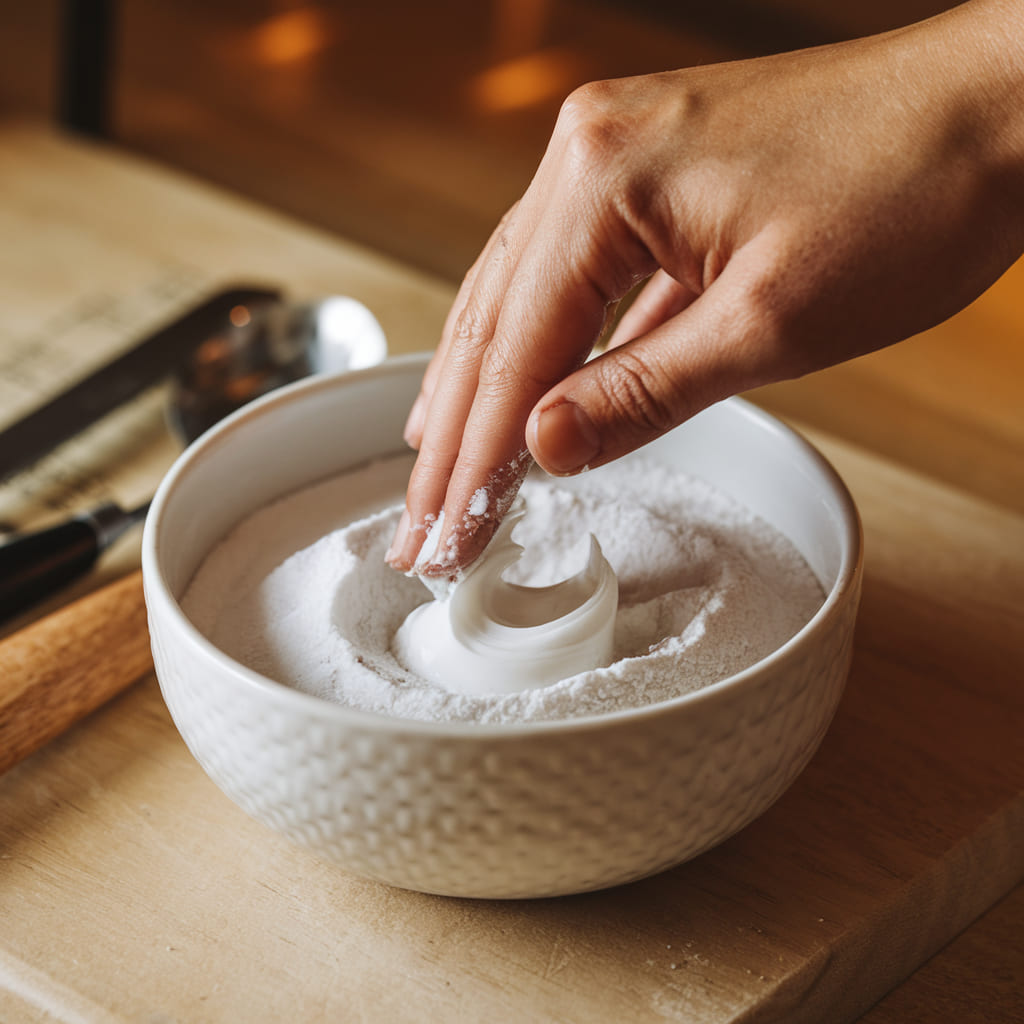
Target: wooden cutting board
point(132, 890)
point(130, 885)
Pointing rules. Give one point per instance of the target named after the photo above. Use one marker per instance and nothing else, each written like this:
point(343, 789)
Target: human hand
point(791, 212)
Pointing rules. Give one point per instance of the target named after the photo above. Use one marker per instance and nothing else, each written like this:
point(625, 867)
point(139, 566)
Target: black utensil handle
point(37, 565)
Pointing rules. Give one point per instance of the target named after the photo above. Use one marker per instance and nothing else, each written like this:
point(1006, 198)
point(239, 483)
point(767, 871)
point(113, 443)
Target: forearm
point(976, 52)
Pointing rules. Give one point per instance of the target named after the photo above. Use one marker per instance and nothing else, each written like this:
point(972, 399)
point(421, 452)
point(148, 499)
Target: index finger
point(552, 311)
point(438, 417)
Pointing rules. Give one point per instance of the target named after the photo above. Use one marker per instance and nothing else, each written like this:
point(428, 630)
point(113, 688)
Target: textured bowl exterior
point(538, 812)
point(505, 812)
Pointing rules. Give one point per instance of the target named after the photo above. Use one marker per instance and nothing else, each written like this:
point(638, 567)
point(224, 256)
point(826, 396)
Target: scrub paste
point(486, 635)
point(300, 591)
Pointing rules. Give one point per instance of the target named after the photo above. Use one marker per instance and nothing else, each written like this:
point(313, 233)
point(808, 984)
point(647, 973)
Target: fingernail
point(413, 432)
point(565, 439)
point(398, 543)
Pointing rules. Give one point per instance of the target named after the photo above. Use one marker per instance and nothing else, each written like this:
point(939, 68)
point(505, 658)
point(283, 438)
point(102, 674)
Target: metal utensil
point(272, 345)
point(151, 360)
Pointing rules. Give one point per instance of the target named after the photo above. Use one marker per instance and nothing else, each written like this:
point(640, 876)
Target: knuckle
point(582, 104)
point(591, 128)
point(507, 219)
point(502, 372)
point(600, 133)
point(497, 369)
point(635, 396)
point(471, 329)
point(503, 243)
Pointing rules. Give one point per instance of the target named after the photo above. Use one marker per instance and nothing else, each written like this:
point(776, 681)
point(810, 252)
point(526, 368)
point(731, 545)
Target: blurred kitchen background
point(411, 127)
point(398, 124)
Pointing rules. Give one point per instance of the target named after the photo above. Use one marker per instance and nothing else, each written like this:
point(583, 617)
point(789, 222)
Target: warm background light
point(525, 81)
point(520, 25)
point(292, 36)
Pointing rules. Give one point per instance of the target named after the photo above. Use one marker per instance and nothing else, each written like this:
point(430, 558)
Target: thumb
point(628, 396)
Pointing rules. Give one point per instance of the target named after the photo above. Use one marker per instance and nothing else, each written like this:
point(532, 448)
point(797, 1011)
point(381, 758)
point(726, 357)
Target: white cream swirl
point(484, 635)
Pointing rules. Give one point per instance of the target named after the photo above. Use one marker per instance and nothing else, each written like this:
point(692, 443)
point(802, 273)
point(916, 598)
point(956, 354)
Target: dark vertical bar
point(86, 47)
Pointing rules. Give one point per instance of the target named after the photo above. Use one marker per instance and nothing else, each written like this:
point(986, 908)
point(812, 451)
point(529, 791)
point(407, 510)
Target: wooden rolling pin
point(57, 670)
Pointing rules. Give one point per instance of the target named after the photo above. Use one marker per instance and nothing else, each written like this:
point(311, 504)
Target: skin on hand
point(790, 212)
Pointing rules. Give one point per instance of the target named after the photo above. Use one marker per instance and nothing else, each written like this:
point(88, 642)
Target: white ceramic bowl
point(495, 811)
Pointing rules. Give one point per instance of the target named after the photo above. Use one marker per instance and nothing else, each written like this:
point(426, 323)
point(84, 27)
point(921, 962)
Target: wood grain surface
point(908, 823)
point(56, 671)
point(131, 889)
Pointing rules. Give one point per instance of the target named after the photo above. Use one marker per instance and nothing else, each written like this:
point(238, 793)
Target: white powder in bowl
point(300, 591)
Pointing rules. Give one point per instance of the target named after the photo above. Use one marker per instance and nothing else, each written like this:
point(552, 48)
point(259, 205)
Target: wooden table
point(132, 890)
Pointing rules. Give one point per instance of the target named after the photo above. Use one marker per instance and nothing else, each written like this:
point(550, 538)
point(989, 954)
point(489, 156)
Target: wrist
point(986, 100)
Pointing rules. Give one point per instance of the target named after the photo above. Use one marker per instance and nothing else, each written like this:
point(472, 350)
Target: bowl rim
point(844, 589)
